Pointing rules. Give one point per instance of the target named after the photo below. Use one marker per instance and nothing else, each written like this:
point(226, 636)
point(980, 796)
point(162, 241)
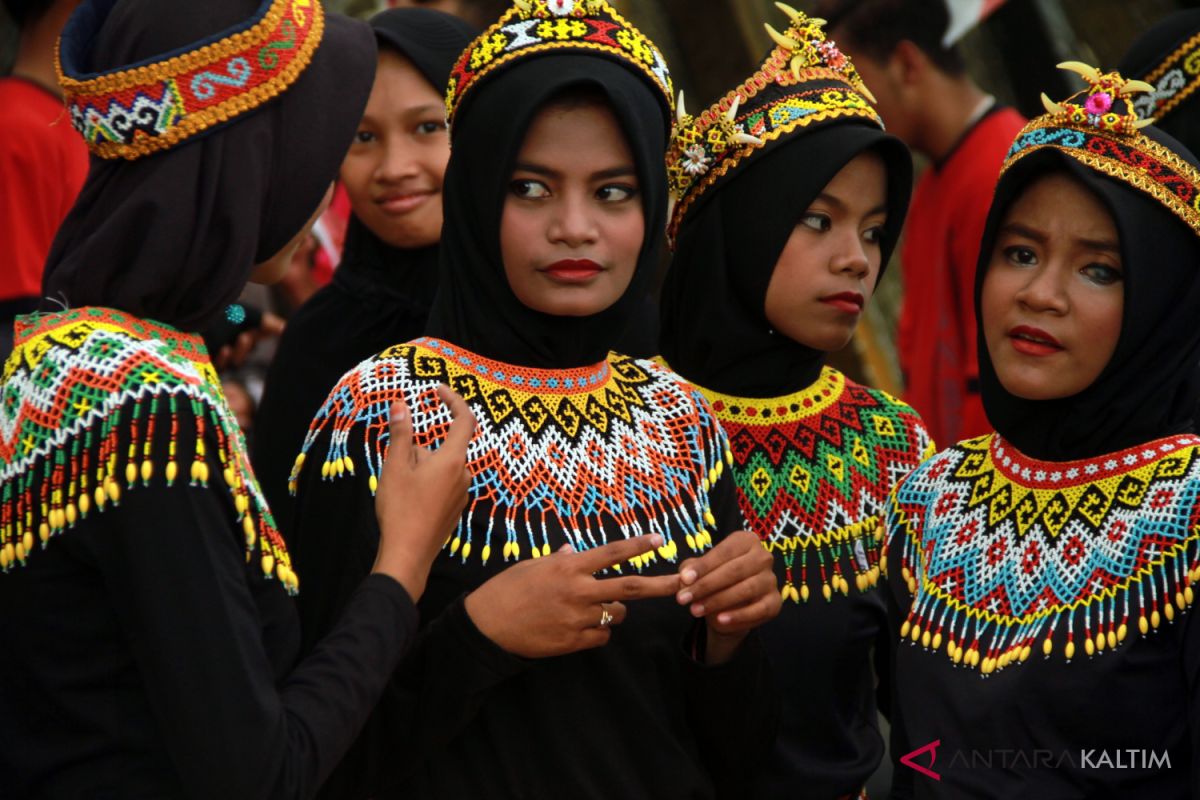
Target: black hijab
point(1149, 388)
point(174, 236)
point(432, 41)
point(715, 330)
point(1150, 52)
point(475, 307)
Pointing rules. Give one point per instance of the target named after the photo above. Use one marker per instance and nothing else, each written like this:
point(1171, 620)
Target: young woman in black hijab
point(790, 199)
point(1042, 575)
point(382, 290)
point(531, 678)
point(151, 649)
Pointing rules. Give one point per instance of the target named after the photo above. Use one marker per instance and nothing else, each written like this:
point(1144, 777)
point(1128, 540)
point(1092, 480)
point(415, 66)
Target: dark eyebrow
point(836, 202)
point(425, 109)
point(1103, 245)
point(1024, 231)
point(537, 169)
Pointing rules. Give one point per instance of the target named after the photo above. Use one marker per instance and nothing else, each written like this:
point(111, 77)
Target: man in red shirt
point(927, 99)
point(43, 161)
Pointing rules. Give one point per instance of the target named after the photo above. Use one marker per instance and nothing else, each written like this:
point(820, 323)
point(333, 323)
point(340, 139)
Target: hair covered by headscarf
point(174, 236)
point(475, 307)
point(1149, 388)
point(715, 329)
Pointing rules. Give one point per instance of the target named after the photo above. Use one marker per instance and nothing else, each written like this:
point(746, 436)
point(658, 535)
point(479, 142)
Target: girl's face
point(573, 224)
point(827, 271)
point(1054, 291)
point(393, 173)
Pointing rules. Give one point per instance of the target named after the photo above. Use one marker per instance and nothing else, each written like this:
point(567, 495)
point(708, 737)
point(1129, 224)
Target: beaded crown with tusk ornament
point(805, 81)
point(1100, 127)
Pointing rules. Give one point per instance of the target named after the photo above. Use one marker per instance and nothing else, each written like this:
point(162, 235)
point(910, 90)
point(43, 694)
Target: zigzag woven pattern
point(619, 449)
point(88, 397)
point(1003, 554)
point(813, 472)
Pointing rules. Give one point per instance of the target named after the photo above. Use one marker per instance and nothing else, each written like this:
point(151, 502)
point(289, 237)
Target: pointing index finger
point(599, 558)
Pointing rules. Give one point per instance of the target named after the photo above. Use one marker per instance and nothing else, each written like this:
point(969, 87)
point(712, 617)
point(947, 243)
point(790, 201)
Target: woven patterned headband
point(142, 109)
point(1172, 81)
point(1099, 127)
point(805, 81)
point(532, 27)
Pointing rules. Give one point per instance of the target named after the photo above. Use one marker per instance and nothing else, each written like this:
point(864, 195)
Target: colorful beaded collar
point(806, 81)
point(533, 27)
point(1099, 127)
point(1173, 81)
point(154, 105)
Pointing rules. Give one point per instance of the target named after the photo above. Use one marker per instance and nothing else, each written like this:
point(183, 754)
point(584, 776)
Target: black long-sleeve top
point(1048, 646)
point(637, 718)
point(145, 652)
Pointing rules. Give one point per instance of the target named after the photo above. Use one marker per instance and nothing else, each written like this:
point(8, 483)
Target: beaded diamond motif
point(813, 472)
point(1004, 555)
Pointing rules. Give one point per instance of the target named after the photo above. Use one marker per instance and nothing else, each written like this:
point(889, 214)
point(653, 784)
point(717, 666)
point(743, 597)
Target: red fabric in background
point(43, 164)
point(936, 338)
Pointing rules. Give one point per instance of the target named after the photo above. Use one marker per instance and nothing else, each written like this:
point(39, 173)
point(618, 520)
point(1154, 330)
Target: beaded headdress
point(1172, 81)
point(534, 27)
point(1100, 128)
point(805, 81)
point(143, 108)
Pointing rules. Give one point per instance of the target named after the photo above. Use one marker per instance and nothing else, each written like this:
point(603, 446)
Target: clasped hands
point(555, 605)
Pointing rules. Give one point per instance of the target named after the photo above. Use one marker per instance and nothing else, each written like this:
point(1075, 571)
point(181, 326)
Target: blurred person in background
point(927, 99)
point(43, 163)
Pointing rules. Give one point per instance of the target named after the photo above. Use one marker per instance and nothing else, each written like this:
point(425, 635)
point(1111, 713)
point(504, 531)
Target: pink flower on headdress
point(832, 55)
point(1099, 103)
point(560, 8)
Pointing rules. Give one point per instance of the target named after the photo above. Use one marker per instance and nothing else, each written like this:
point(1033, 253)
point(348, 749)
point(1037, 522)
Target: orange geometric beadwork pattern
point(138, 110)
point(1004, 555)
point(813, 472)
point(90, 401)
point(618, 449)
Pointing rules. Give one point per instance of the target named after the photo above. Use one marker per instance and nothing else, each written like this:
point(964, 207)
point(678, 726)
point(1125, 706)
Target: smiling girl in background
point(384, 286)
point(1041, 575)
point(790, 201)
point(596, 478)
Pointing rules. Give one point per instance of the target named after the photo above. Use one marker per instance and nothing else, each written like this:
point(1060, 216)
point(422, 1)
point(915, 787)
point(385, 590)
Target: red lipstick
point(1034, 341)
point(572, 270)
point(847, 302)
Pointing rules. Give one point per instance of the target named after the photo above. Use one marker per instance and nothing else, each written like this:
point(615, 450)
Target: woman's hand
point(733, 588)
point(554, 605)
point(421, 494)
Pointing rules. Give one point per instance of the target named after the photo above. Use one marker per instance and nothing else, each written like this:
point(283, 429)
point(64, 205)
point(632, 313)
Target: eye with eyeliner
point(1102, 274)
point(616, 193)
point(528, 189)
